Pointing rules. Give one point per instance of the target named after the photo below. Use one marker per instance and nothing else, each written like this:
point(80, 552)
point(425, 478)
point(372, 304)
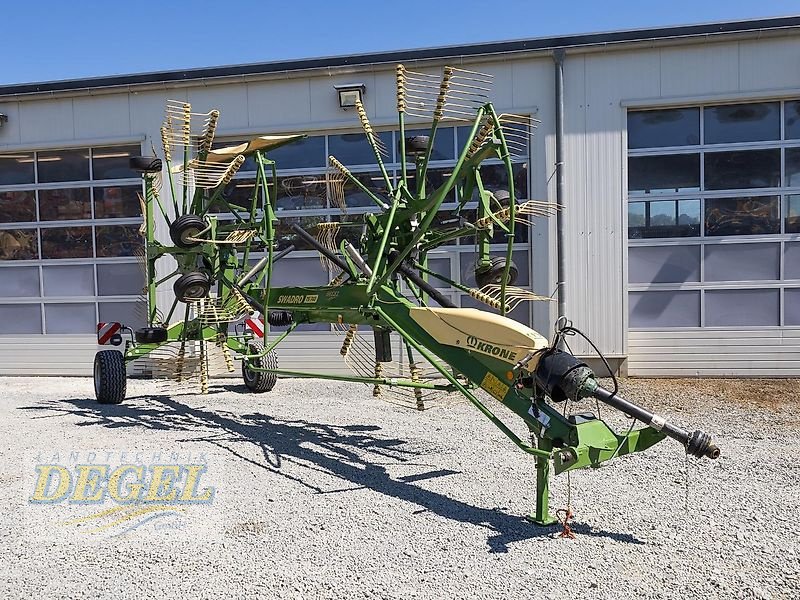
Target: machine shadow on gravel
point(351, 453)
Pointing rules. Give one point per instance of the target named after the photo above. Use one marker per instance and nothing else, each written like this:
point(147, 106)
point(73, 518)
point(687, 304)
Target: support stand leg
point(541, 515)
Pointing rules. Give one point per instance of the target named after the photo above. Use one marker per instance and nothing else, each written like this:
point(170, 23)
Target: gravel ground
point(324, 492)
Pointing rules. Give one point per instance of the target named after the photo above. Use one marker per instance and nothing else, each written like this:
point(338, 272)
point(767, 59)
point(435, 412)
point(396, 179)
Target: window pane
point(793, 214)
point(19, 282)
point(791, 260)
point(63, 165)
point(301, 192)
point(68, 280)
point(725, 308)
point(442, 143)
point(16, 168)
point(353, 148)
point(742, 262)
point(125, 279)
point(285, 236)
point(662, 214)
point(792, 128)
point(70, 318)
point(791, 306)
point(441, 266)
point(17, 207)
point(20, 318)
point(668, 173)
point(63, 242)
point(743, 216)
point(742, 169)
point(742, 123)
point(132, 314)
point(113, 163)
point(637, 219)
point(18, 244)
point(793, 167)
point(305, 153)
point(355, 197)
point(664, 309)
point(118, 201)
point(665, 218)
point(495, 177)
point(434, 178)
point(660, 128)
point(118, 240)
point(59, 205)
point(299, 271)
point(663, 264)
point(689, 217)
point(239, 194)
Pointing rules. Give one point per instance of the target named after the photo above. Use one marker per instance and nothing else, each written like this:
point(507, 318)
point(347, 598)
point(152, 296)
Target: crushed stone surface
point(322, 491)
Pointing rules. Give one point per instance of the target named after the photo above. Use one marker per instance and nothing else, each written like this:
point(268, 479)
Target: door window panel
point(664, 174)
point(793, 167)
point(16, 169)
point(742, 169)
point(442, 143)
point(113, 163)
point(302, 154)
point(125, 279)
point(791, 129)
point(664, 128)
point(791, 303)
point(117, 202)
point(793, 214)
point(742, 262)
point(66, 242)
point(734, 123)
point(18, 206)
point(733, 308)
point(791, 260)
point(19, 244)
point(19, 282)
point(663, 264)
point(131, 314)
point(68, 280)
point(66, 204)
point(664, 309)
point(118, 240)
point(20, 318)
point(354, 149)
point(70, 318)
point(63, 165)
point(302, 192)
point(750, 215)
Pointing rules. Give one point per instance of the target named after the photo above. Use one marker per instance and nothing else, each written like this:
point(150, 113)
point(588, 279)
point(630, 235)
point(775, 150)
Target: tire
point(493, 274)
point(258, 381)
point(417, 144)
point(110, 377)
point(151, 335)
point(186, 226)
point(145, 164)
point(191, 286)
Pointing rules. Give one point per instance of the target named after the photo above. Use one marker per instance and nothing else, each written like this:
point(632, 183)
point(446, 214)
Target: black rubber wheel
point(191, 286)
point(258, 381)
point(493, 274)
point(417, 144)
point(110, 377)
point(502, 197)
point(145, 164)
point(184, 227)
point(151, 335)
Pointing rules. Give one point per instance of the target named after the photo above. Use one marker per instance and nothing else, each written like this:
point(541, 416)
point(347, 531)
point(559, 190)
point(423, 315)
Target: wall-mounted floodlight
point(350, 93)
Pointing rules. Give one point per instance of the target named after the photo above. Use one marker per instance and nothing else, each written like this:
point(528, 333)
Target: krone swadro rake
point(382, 283)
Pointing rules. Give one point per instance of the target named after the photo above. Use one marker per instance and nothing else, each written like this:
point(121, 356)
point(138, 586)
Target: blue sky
point(66, 39)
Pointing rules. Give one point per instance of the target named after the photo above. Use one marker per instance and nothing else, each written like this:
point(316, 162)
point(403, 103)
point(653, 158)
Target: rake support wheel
point(110, 377)
point(493, 274)
point(191, 286)
point(185, 227)
point(259, 381)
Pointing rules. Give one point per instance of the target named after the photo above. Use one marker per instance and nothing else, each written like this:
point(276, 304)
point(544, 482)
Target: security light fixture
point(350, 93)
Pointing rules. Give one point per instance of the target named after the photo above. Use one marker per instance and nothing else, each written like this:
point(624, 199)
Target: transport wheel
point(185, 227)
point(191, 286)
point(493, 274)
point(145, 164)
point(258, 381)
point(151, 335)
point(110, 377)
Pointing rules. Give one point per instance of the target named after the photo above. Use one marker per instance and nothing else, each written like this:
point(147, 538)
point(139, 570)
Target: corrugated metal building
point(682, 196)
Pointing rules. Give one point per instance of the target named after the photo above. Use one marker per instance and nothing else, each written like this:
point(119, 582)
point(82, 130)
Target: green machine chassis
point(514, 364)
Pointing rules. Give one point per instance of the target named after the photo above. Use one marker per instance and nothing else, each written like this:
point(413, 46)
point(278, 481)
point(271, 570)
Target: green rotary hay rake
point(401, 335)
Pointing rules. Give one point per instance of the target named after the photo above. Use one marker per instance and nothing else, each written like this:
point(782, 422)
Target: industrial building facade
point(681, 197)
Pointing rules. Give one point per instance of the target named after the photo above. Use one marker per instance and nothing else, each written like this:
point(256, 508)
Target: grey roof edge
point(440, 52)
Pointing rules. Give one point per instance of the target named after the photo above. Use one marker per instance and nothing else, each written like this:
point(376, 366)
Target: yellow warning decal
point(494, 386)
